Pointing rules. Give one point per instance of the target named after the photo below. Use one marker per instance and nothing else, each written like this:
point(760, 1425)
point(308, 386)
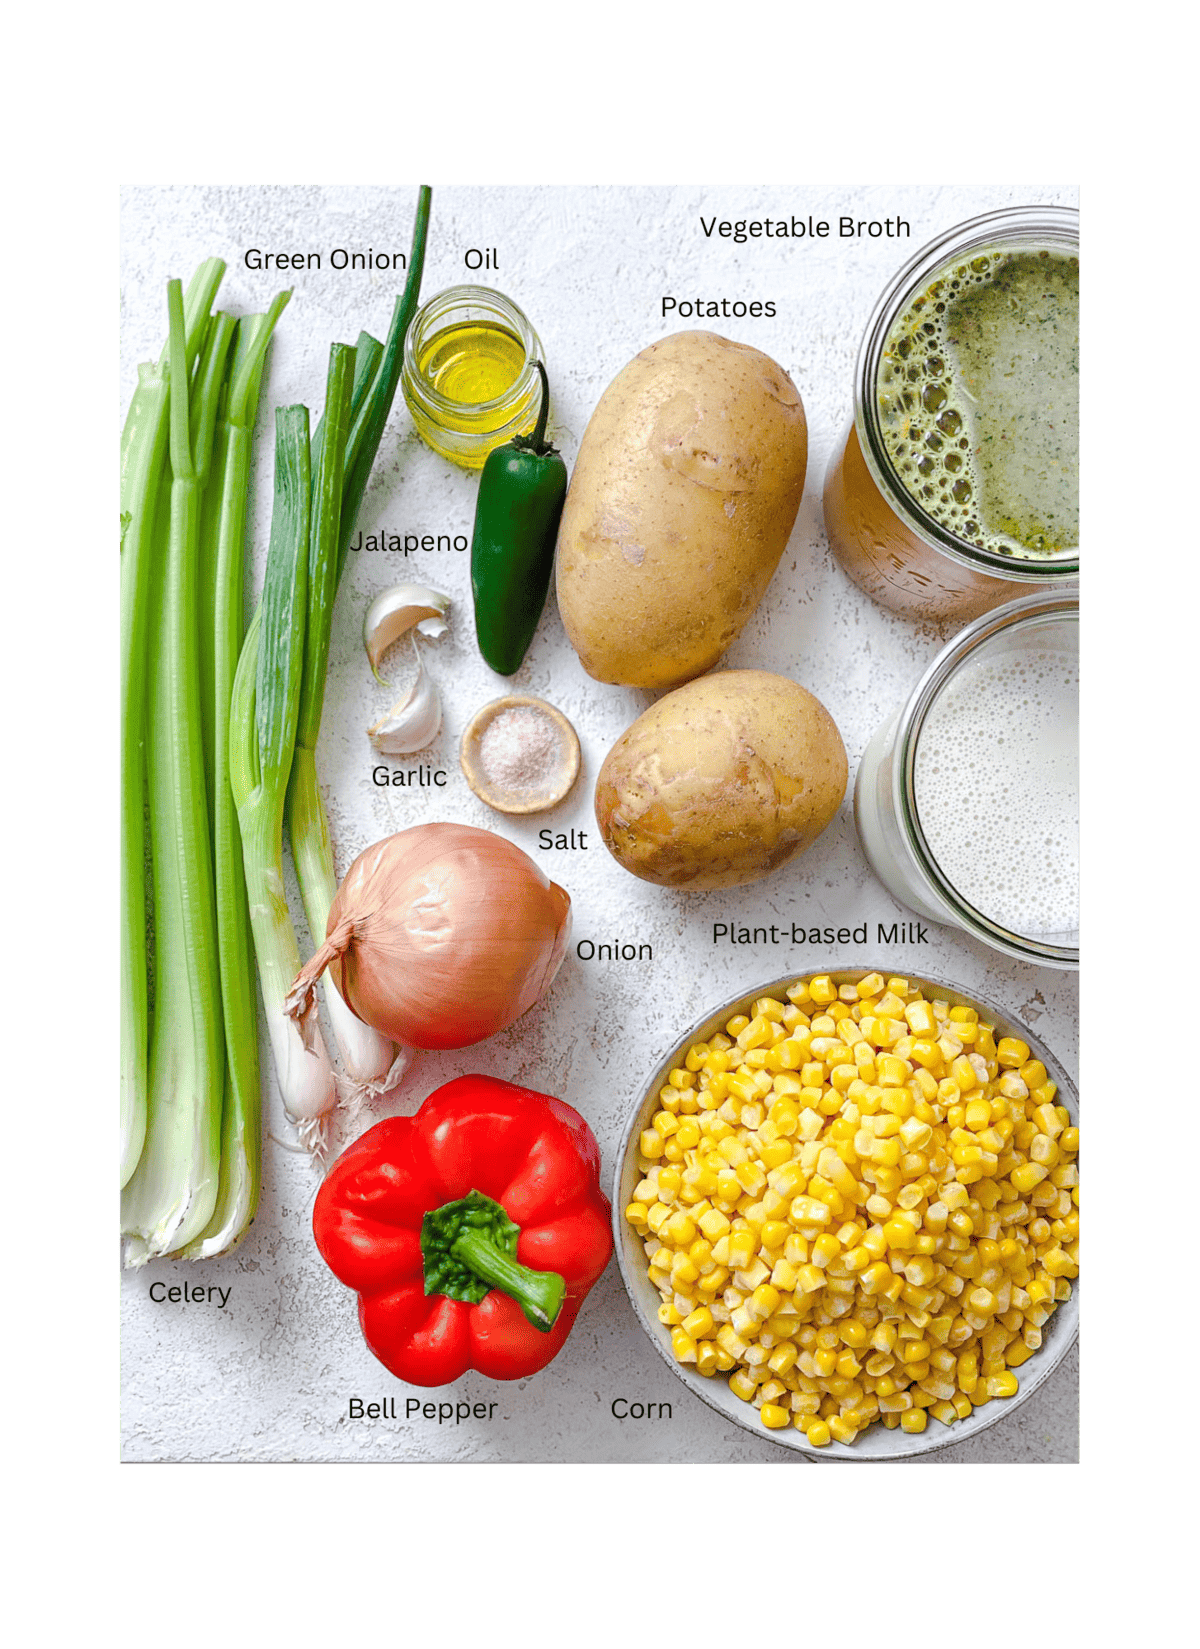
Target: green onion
point(225, 518)
point(208, 389)
point(368, 352)
point(143, 475)
point(371, 1060)
point(369, 425)
point(262, 734)
point(172, 1192)
point(140, 489)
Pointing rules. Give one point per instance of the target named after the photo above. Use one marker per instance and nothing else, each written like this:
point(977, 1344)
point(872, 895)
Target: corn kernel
point(872, 1280)
point(1027, 1176)
point(708, 1358)
point(783, 1276)
point(899, 1233)
point(750, 1275)
point(1059, 1263)
point(683, 1346)
point(714, 1224)
point(764, 1300)
point(750, 1177)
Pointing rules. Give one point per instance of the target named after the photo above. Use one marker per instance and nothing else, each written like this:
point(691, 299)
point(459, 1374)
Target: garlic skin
point(413, 723)
point(398, 610)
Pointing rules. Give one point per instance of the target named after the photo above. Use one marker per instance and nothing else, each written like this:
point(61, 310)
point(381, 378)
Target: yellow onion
point(441, 935)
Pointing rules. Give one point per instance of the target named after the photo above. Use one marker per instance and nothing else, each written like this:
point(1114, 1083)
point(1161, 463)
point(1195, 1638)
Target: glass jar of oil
point(470, 376)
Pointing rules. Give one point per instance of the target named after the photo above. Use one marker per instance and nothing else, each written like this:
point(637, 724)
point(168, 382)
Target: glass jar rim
point(484, 297)
point(1031, 610)
point(1037, 225)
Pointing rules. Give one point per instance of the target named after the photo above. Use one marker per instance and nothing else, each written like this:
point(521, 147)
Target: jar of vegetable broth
point(469, 374)
point(955, 485)
point(967, 799)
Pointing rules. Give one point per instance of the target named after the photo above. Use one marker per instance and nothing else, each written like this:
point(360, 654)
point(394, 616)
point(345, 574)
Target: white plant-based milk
point(996, 786)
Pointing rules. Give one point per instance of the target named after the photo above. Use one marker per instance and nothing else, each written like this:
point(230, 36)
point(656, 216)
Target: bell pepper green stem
point(470, 1247)
point(539, 1294)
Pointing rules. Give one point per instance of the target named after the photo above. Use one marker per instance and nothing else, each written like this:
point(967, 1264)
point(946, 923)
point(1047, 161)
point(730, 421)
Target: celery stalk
point(197, 302)
point(241, 1114)
point(171, 1195)
point(143, 466)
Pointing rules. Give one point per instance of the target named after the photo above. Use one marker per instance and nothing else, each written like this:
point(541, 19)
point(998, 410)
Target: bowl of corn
point(846, 1213)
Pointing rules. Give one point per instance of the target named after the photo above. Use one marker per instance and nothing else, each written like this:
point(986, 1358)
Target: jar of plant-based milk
point(955, 486)
point(967, 799)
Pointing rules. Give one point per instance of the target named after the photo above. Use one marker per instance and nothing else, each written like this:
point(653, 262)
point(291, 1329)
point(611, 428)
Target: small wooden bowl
point(558, 781)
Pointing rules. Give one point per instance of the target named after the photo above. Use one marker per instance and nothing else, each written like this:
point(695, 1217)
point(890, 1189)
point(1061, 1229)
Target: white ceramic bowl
point(877, 1442)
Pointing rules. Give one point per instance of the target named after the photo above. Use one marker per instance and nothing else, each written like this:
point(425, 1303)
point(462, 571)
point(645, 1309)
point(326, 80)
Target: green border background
point(201, 1554)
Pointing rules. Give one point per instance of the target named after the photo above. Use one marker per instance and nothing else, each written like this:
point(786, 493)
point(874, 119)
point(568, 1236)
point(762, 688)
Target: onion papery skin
point(456, 934)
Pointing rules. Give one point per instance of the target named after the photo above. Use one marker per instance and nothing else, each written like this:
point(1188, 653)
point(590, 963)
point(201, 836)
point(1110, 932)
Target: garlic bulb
point(414, 722)
point(399, 610)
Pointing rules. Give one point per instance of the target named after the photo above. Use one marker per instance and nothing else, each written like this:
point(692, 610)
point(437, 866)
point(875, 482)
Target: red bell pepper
point(472, 1231)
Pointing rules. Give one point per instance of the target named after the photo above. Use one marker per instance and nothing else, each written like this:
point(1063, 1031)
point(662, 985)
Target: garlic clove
point(414, 722)
point(398, 610)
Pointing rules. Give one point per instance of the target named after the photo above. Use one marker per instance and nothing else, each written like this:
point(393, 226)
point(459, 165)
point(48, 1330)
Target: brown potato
point(721, 782)
point(683, 497)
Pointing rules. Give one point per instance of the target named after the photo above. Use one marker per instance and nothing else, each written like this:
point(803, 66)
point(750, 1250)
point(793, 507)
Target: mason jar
point(885, 539)
point(457, 326)
point(967, 798)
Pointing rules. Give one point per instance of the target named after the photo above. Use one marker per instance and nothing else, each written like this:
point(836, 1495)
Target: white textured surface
point(269, 1377)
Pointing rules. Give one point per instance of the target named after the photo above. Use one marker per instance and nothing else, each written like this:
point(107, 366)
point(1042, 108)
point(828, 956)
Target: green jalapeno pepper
point(521, 494)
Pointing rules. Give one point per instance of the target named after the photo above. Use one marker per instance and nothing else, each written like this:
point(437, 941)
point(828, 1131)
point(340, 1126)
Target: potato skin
point(721, 781)
point(683, 497)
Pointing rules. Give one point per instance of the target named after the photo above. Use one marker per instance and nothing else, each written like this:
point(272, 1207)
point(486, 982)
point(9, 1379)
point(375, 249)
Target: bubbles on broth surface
point(934, 429)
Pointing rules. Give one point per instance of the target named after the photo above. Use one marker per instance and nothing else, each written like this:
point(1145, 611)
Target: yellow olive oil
point(468, 374)
point(472, 364)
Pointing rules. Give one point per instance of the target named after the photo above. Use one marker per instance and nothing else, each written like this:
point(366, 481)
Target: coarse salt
point(520, 749)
